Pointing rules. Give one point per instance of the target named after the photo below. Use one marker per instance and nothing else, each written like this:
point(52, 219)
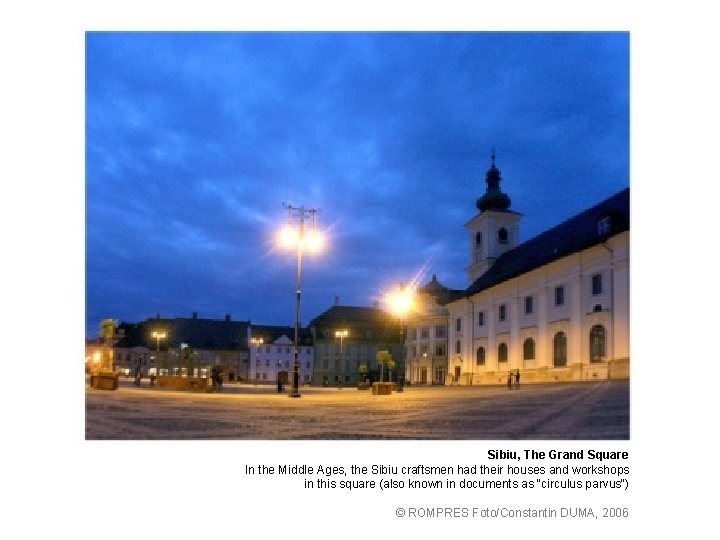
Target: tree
point(107, 332)
point(384, 358)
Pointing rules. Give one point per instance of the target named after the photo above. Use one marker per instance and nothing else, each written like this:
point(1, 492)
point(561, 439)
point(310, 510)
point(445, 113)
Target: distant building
point(427, 335)
point(188, 344)
point(555, 308)
point(272, 354)
point(348, 337)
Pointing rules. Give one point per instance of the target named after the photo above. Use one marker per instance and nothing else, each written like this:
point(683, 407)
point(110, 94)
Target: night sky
point(195, 140)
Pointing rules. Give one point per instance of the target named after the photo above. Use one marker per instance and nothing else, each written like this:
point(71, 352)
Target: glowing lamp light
point(288, 237)
point(400, 301)
point(314, 241)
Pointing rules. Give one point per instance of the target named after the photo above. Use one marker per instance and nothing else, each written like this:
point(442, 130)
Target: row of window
point(597, 348)
point(439, 350)
point(530, 303)
point(502, 235)
point(440, 332)
point(280, 363)
point(279, 350)
point(368, 334)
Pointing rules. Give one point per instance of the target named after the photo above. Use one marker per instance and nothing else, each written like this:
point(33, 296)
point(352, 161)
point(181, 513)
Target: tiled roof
point(352, 313)
point(573, 235)
point(272, 333)
point(381, 325)
point(197, 333)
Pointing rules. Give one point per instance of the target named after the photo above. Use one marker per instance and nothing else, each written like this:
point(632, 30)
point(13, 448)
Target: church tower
point(495, 230)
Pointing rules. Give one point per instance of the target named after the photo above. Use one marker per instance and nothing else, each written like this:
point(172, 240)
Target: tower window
point(478, 239)
point(501, 312)
point(503, 235)
point(597, 284)
point(528, 305)
point(559, 295)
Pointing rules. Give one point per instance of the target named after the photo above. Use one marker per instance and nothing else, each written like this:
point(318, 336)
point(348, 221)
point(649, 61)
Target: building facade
point(554, 308)
point(346, 341)
point(427, 335)
point(272, 354)
point(184, 346)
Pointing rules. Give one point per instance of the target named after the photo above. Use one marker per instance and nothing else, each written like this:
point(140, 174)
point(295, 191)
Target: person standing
point(510, 380)
point(517, 379)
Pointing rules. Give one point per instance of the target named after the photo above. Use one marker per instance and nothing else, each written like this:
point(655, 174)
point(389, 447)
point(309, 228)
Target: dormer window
point(503, 236)
point(603, 226)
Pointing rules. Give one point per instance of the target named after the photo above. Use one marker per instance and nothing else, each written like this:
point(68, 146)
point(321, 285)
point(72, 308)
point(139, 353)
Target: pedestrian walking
point(279, 385)
point(137, 376)
point(517, 379)
point(510, 380)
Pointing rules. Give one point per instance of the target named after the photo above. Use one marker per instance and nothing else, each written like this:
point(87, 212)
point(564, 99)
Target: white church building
point(554, 308)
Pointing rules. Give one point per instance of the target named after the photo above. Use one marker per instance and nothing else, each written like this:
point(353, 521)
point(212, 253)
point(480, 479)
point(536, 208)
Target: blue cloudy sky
point(195, 140)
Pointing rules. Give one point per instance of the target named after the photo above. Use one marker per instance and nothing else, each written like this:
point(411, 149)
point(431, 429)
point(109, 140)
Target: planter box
point(105, 380)
point(191, 384)
point(382, 388)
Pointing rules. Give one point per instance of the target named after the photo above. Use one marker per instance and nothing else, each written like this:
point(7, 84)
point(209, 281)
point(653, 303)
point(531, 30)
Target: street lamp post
point(298, 238)
point(256, 342)
point(341, 334)
point(158, 335)
point(401, 303)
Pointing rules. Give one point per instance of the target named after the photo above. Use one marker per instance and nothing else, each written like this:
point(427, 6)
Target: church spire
point(494, 199)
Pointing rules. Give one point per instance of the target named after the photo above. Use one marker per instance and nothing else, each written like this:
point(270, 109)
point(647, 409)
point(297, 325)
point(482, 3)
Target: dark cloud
point(194, 141)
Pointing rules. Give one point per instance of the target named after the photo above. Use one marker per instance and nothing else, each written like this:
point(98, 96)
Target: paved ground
point(592, 410)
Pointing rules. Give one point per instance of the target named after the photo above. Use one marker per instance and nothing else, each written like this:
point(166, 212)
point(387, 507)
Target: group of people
point(513, 379)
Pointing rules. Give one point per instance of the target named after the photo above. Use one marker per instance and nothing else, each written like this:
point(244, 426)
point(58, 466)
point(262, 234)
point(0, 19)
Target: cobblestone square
point(584, 411)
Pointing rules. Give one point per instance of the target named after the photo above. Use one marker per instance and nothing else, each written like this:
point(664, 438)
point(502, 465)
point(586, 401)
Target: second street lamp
point(401, 302)
point(341, 334)
point(297, 237)
point(158, 335)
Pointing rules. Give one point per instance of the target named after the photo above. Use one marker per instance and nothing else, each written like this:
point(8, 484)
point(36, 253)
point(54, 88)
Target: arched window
point(560, 349)
point(503, 235)
point(480, 356)
point(529, 349)
point(502, 353)
point(597, 343)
